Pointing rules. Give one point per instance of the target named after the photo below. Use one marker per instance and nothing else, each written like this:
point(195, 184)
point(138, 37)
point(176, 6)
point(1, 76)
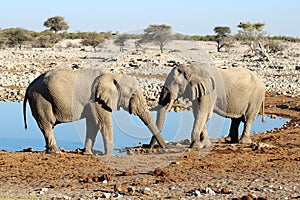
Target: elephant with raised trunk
point(235, 93)
point(61, 96)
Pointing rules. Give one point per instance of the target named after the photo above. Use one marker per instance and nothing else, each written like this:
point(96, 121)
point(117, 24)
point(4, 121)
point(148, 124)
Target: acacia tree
point(253, 35)
point(93, 39)
point(221, 37)
point(56, 24)
point(121, 40)
point(157, 34)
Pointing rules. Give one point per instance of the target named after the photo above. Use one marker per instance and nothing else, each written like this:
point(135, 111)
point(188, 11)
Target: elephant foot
point(206, 143)
point(53, 150)
point(196, 145)
point(87, 152)
point(229, 139)
point(245, 140)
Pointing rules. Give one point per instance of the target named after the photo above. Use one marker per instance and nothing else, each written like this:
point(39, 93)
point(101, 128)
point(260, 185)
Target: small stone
point(145, 190)
point(273, 116)
point(197, 193)
point(44, 189)
point(117, 188)
point(106, 195)
point(161, 172)
point(117, 195)
point(131, 190)
point(127, 173)
point(210, 191)
point(27, 149)
point(202, 189)
point(172, 188)
point(226, 191)
point(105, 181)
point(254, 146)
point(104, 177)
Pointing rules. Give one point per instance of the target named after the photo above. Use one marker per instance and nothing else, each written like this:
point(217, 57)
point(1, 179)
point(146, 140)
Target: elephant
point(61, 96)
point(235, 93)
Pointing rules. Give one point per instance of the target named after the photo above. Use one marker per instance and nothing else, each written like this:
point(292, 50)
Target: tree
point(221, 37)
point(121, 40)
point(56, 24)
point(46, 39)
point(253, 35)
point(93, 39)
point(16, 36)
point(157, 34)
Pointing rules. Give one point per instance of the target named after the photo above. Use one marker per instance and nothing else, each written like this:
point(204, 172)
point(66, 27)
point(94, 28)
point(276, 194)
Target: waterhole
point(129, 131)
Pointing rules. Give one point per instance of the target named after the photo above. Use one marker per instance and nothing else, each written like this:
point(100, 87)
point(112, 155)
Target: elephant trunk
point(160, 120)
point(170, 105)
point(138, 106)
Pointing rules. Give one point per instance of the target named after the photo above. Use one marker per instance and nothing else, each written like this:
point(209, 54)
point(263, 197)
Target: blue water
point(128, 129)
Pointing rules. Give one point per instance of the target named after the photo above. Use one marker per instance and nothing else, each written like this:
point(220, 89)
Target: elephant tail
point(263, 111)
point(24, 108)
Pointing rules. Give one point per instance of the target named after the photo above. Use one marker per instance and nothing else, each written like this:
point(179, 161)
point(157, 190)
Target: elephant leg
point(91, 133)
point(47, 130)
point(204, 139)
point(45, 119)
point(233, 136)
point(106, 127)
point(246, 132)
point(199, 125)
point(107, 135)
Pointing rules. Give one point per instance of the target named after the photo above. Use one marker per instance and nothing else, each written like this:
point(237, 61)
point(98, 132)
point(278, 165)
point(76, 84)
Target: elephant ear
point(201, 81)
point(107, 91)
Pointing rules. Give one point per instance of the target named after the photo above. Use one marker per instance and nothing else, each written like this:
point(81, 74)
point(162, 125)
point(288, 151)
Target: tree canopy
point(93, 39)
point(157, 34)
point(56, 24)
point(121, 40)
point(16, 36)
point(221, 37)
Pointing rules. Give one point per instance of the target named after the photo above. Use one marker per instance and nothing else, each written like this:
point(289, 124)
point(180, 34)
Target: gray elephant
point(61, 96)
point(235, 93)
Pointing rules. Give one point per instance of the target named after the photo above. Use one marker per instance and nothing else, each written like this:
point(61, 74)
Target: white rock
point(210, 191)
point(106, 195)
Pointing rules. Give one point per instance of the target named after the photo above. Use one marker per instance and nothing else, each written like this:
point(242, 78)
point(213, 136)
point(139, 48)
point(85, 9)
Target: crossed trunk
point(137, 106)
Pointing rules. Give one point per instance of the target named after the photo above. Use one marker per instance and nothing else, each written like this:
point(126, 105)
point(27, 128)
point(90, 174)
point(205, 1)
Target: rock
point(146, 191)
point(44, 189)
point(202, 189)
point(195, 193)
point(131, 190)
point(117, 195)
point(28, 150)
point(127, 173)
point(210, 191)
point(161, 172)
point(105, 177)
point(273, 116)
point(226, 191)
point(117, 188)
point(106, 195)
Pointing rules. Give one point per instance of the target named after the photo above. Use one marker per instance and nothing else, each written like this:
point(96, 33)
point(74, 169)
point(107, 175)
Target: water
point(128, 129)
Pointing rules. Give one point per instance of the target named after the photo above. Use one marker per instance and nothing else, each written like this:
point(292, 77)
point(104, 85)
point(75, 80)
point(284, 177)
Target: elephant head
point(185, 81)
point(115, 91)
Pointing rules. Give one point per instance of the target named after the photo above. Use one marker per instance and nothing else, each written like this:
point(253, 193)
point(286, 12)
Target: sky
point(192, 17)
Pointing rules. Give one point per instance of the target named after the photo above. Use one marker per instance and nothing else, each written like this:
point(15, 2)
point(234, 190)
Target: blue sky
point(194, 17)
